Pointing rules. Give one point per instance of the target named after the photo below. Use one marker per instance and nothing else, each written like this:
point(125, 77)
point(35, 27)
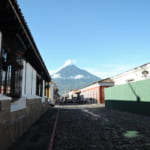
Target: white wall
point(28, 80)
point(23, 78)
point(132, 75)
point(33, 82)
point(43, 88)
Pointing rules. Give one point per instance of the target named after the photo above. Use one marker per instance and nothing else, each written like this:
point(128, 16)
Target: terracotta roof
point(107, 80)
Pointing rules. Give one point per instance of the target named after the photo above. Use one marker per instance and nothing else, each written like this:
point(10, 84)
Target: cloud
point(79, 76)
point(67, 63)
point(52, 72)
point(56, 76)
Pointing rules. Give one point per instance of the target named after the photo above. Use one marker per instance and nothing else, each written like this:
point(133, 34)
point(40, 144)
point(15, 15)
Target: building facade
point(24, 77)
point(74, 95)
point(136, 74)
point(94, 93)
point(22, 70)
point(52, 93)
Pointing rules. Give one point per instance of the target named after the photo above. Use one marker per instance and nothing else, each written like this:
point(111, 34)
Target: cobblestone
point(88, 127)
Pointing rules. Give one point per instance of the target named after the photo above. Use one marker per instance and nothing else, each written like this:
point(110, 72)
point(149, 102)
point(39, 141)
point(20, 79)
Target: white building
point(22, 69)
point(24, 77)
point(52, 93)
point(139, 73)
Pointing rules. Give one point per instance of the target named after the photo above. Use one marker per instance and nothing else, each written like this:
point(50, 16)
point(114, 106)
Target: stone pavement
point(87, 127)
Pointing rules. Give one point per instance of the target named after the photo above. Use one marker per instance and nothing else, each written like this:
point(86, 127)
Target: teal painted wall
point(131, 97)
point(130, 92)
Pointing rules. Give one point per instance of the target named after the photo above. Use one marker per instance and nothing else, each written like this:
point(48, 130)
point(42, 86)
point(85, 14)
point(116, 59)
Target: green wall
point(132, 97)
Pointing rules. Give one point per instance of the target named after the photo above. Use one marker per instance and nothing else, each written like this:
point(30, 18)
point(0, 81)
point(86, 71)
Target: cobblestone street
point(87, 127)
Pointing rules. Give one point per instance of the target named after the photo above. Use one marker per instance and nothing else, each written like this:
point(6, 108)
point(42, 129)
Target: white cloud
point(79, 76)
point(51, 72)
point(56, 76)
point(67, 63)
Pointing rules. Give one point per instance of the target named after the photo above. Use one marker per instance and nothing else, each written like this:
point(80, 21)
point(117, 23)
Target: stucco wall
point(132, 97)
point(94, 93)
point(132, 75)
point(130, 91)
point(13, 123)
point(28, 79)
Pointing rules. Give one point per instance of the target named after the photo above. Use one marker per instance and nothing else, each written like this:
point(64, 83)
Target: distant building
point(139, 73)
point(52, 92)
point(94, 93)
point(74, 95)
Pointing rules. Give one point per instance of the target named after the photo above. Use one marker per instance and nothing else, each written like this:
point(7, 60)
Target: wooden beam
point(21, 41)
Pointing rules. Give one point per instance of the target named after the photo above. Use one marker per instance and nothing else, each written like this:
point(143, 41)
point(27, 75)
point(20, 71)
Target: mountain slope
point(72, 77)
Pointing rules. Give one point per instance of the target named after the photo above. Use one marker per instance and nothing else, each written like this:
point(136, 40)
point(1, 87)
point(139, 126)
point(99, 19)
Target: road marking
point(53, 133)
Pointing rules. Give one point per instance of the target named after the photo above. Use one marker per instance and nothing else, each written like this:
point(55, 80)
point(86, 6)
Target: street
point(87, 127)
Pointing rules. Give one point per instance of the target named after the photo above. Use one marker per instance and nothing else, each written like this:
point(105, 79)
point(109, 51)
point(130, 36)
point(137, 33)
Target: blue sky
point(105, 37)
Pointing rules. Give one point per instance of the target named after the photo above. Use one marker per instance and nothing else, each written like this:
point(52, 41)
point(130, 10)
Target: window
point(39, 85)
point(10, 73)
point(130, 80)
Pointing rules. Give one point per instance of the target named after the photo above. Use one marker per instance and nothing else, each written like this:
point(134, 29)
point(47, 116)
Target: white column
point(24, 78)
point(33, 82)
point(28, 79)
point(52, 92)
point(43, 88)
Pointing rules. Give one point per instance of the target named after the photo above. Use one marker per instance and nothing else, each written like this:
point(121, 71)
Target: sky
point(105, 37)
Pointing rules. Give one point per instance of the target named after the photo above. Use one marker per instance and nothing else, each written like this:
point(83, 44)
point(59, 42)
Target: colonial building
point(94, 93)
point(139, 73)
point(23, 76)
point(22, 70)
point(131, 92)
point(52, 93)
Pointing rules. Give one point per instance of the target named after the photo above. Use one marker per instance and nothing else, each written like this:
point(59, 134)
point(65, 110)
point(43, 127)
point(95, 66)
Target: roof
point(107, 80)
point(136, 68)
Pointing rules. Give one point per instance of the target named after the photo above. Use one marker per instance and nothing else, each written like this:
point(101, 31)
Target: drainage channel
point(54, 131)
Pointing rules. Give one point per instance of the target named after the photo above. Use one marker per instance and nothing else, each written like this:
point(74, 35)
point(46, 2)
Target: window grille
point(10, 73)
point(39, 85)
